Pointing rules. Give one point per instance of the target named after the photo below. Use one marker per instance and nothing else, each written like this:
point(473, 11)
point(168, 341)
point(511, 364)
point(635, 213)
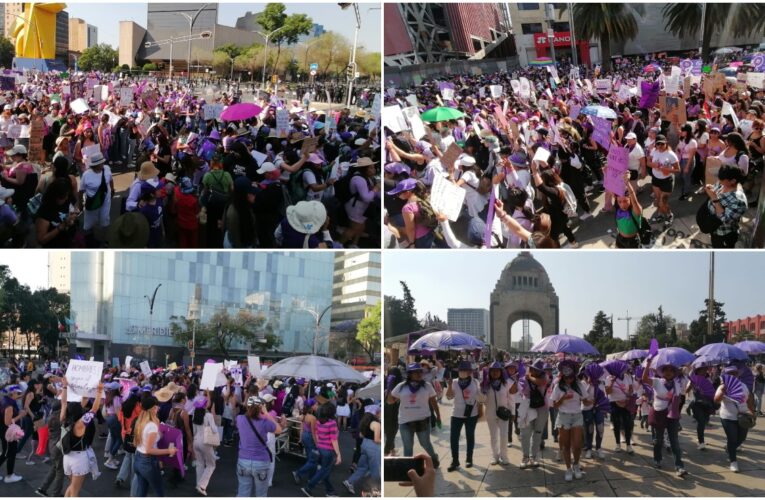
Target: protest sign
point(53, 365)
point(711, 169)
point(755, 80)
point(450, 156)
point(393, 118)
point(482, 92)
point(617, 163)
point(525, 88)
point(210, 375)
point(649, 94)
point(727, 109)
point(35, 152)
point(171, 436)
point(516, 85)
point(573, 111)
point(496, 91)
point(602, 131)
point(172, 366)
point(145, 368)
point(687, 86)
point(79, 106)
point(391, 92)
point(541, 155)
point(126, 95)
point(213, 111)
point(624, 92)
point(603, 85)
point(128, 360)
point(282, 123)
point(309, 145)
point(746, 127)
point(672, 84)
point(500, 117)
point(412, 100)
point(253, 365)
point(83, 378)
point(376, 105)
point(675, 110)
point(115, 362)
point(447, 94)
point(446, 197)
point(412, 115)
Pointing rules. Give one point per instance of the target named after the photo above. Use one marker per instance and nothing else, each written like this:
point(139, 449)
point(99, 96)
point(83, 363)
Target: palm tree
point(607, 22)
point(684, 20)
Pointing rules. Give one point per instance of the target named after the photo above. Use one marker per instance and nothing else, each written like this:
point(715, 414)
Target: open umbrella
point(675, 356)
point(722, 352)
point(751, 346)
point(634, 354)
point(600, 111)
point(650, 68)
point(313, 368)
point(567, 344)
point(241, 111)
point(372, 391)
point(727, 50)
point(703, 361)
point(446, 340)
point(441, 114)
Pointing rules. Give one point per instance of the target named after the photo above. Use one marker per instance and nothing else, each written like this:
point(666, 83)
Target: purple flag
point(489, 220)
point(650, 94)
point(172, 435)
point(653, 349)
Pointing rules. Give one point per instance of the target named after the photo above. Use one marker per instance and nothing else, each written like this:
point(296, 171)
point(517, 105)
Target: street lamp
point(151, 317)
point(265, 55)
point(172, 41)
point(352, 65)
point(191, 20)
point(317, 316)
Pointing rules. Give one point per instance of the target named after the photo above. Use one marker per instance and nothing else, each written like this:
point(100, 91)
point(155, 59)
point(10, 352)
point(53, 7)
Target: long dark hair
point(59, 188)
point(688, 132)
point(199, 416)
point(735, 140)
point(516, 198)
point(366, 421)
point(128, 406)
point(326, 412)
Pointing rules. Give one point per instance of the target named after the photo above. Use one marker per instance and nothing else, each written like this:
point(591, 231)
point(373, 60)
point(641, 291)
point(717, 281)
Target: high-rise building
point(62, 36)
point(60, 271)
point(474, 322)
point(92, 35)
point(131, 36)
point(78, 35)
point(110, 298)
point(356, 285)
point(316, 31)
point(10, 11)
point(248, 22)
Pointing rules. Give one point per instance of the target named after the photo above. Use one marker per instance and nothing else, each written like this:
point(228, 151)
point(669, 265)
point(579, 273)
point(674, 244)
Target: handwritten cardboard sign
point(282, 123)
point(446, 197)
point(83, 378)
point(212, 111)
point(210, 375)
point(253, 365)
point(450, 156)
point(617, 164)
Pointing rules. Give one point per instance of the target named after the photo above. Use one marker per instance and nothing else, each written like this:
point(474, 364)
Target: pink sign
point(602, 131)
point(617, 164)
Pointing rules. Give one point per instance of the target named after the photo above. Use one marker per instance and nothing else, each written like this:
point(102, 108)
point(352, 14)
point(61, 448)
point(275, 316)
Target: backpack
point(297, 191)
point(426, 216)
point(568, 199)
point(343, 189)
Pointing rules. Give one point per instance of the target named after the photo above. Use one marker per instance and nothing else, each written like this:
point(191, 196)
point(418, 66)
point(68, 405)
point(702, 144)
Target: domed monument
point(523, 292)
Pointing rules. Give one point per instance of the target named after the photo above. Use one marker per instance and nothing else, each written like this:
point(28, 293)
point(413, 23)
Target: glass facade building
point(110, 290)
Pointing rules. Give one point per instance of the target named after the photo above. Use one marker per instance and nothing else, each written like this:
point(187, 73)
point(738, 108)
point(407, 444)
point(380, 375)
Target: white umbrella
point(372, 391)
point(727, 50)
point(313, 368)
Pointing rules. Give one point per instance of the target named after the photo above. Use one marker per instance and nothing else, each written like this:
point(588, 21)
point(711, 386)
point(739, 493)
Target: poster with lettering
point(672, 84)
point(755, 80)
point(516, 85)
point(496, 91)
point(145, 368)
point(282, 122)
point(603, 85)
point(573, 111)
point(447, 94)
point(602, 132)
point(149, 97)
point(412, 115)
point(711, 169)
point(500, 117)
point(128, 361)
point(446, 197)
point(617, 163)
point(253, 366)
point(210, 376)
point(66, 90)
point(126, 95)
point(170, 435)
point(525, 88)
point(213, 111)
point(624, 92)
point(376, 106)
point(450, 156)
point(79, 106)
point(393, 118)
point(649, 94)
point(331, 124)
point(83, 378)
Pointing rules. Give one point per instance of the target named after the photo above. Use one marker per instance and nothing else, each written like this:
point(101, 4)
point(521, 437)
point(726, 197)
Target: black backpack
point(343, 188)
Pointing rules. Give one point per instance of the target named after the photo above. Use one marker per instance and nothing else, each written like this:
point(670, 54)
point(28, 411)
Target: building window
point(477, 44)
point(561, 26)
point(528, 6)
point(531, 28)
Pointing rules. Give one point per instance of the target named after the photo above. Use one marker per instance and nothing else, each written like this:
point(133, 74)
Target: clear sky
point(30, 267)
point(106, 16)
point(586, 282)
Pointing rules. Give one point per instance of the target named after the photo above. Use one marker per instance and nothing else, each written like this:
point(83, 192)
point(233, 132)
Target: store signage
point(156, 331)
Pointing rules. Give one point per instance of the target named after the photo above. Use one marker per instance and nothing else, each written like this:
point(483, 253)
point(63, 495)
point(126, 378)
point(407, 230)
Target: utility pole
point(627, 318)
point(550, 11)
point(711, 301)
point(191, 20)
point(574, 55)
point(351, 70)
point(703, 21)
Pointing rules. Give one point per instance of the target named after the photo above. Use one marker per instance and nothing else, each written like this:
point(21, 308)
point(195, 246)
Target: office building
point(316, 31)
point(474, 322)
point(110, 304)
point(92, 35)
point(78, 35)
point(62, 36)
point(248, 22)
point(60, 271)
point(8, 14)
point(131, 37)
point(752, 324)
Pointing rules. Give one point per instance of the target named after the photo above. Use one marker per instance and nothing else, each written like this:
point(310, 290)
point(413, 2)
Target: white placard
point(145, 368)
point(210, 375)
point(516, 85)
point(213, 111)
point(393, 118)
point(66, 90)
point(376, 104)
point(282, 123)
point(126, 95)
point(447, 94)
point(624, 92)
point(412, 100)
point(79, 106)
point(53, 365)
point(496, 91)
point(128, 360)
point(727, 109)
point(83, 378)
point(253, 365)
point(672, 84)
point(541, 155)
point(756, 80)
point(412, 115)
point(391, 92)
point(603, 85)
point(676, 71)
point(525, 88)
point(446, 197)
point(258, 156)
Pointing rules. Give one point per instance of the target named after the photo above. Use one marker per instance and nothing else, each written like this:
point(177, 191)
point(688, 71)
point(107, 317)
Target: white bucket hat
point(307, 217)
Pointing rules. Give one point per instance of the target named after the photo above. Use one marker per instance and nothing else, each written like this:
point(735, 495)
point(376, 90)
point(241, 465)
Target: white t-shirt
point(308, 179)
point(572, 405)
point(661, 396)
point(588, 393)
point(90, 181)
point(148, 429)
point(730, 408)
point(621, 389)
point(635, 156)
point(683, 149)
point(743, 162)
point(498, 398)
point(666, 158)
point(415, 406)
point(474, 200)
point(468, 395)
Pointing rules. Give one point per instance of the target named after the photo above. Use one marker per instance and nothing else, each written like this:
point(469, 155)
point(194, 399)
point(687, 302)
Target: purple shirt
point(250, 447)
point(7, 215)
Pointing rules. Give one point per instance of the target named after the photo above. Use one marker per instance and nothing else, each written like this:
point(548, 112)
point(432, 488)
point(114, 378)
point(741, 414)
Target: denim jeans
point(29, 429)
point(115, 432)
point(312, 456)
point(425, 241)
point(326, 464)
point(593, 428)
point(553, 418)
point(622, 420)
point(702, 419)
point(369, 462)
point(126, 469)
point(758, 402)
point(407, 439)
point(146, 474)
point(673, 428)
point(735, 435)
point(228, 430)
point(531, 435)
point(685, 176)
point(253, 477)
point(454, 437)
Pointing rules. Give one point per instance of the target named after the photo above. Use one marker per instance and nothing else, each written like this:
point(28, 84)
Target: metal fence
point(404, 76)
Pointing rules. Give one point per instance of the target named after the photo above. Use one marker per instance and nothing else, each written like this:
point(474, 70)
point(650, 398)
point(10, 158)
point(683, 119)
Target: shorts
point(76, 463)
point(664, 185)
point(344, 411)
point(569, 420)
point(634, 175)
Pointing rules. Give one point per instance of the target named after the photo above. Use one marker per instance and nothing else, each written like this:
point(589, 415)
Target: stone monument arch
point(523, 292)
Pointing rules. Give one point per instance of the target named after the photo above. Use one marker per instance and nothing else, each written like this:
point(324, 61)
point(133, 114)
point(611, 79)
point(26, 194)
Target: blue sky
point(586, 282)
point(106, 16)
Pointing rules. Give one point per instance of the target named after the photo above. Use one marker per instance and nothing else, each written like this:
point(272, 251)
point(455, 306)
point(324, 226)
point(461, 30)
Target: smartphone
point(396, 468)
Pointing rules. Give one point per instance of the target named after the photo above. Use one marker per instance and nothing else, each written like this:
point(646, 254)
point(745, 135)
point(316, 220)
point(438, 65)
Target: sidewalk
point(618, 475)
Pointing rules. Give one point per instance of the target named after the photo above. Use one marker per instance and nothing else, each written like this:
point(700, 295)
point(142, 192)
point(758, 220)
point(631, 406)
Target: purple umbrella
point(567, 344)
point(703, 384)
point(722, 352)
point(675, 356)
point(446, 340)
point(751, 346)
point(703, 361)
point(240, 111)
point(635, 354)
point(615, 367)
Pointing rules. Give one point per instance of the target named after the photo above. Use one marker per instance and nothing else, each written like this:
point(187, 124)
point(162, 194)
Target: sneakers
point(525, 463)
point(453, 467)
point(577, 471)
point(629, 449)
point(201, 491)
point(468, 464)
point(681, 472)
point(13, 478)
point(588, 454)
point(29, 461)
point(509, 445)
point(670, 219)
point(502, 461)
point(601, 454)
point(41, 492)
point(702, 446)
point(306, 492)
point(734, 466)
point(585, 216)
point(349, 487)
point(618, 447)
point(112, 464)
point(655, 219)
point(535, 463)
point(569, 475)
point(494, 462)
point(296, 477)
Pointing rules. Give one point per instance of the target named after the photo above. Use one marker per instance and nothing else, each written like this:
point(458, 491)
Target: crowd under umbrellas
point(98, 159)
point(167, 427)
point(565, 378)
point(524, 157)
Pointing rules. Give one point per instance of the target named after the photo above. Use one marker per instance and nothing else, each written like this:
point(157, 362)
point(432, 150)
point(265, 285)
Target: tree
point(401, 314)
point(290, 27)
point(744, 334)
point(698, 327)
point(222, 329)
point(7, 52)
point(225, 56)
point(601, 328)
point(368, 331)
point(101, 57)
point(330, 52)
point(369, 63)
point(684, 20)
point(609, 23)
point(433, 321)
point(150, 67)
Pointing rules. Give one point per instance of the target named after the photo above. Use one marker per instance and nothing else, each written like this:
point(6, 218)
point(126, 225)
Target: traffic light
point(350, 72)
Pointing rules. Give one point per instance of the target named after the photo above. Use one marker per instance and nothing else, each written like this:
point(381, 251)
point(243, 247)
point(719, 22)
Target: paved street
point(618, 475)
point(223, 483)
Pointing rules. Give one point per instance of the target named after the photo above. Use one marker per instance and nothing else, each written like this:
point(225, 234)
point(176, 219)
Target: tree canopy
point(368, 331)
point(101, 57)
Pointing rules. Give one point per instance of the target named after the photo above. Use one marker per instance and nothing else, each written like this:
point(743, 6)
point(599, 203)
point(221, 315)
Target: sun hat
point(147, 171)
point(96, 159)
point(129, 230)
point(397, 168)
point(307, 217)
point(18, 149)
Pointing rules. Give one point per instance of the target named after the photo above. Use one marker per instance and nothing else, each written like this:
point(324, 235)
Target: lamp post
point(317, 316)
point(151, 317)
point(573, 36)
point(550, 11)
point(191, 20)
point(265, 55)
point(352, 64)
point(172, 41)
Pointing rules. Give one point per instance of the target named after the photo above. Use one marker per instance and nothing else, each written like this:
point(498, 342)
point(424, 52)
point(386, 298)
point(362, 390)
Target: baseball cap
point(403, 185)
point(661, 139)
point(631, 136)
point(267, 167)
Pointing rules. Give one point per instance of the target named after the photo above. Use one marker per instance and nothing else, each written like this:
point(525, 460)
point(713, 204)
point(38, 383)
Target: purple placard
point(7, 83)
point(613, 177)
point(602, 132)
point(696, 67)
point(172, 435)
point(650, 94)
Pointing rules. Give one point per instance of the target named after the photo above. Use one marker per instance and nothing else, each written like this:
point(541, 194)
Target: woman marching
point(466, 395)
point(499, 410)
point(621, 389)
point(568, 395)
point(78, 432)
point(511, 369)
point(665, 413)
point(369, 463)
point(731, 409)
point(532, 412)
point(702, 406)
point(308, 431)
point(146, 471)
point(204, 454)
